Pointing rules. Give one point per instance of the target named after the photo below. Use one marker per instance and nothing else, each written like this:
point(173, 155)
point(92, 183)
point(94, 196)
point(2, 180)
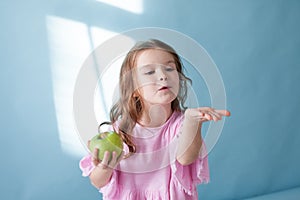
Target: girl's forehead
point(154, 56)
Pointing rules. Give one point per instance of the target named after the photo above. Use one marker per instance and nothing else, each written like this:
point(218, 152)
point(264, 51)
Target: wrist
point(189, 116)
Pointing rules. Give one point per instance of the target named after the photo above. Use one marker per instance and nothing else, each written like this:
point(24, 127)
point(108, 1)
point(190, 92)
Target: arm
point(190, 140)
point(102, 173)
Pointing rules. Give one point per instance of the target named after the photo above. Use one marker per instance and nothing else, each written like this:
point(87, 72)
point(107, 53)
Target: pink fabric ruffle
point(113, 190)
point(184, 178)
point(86, 165)
point(187, 177)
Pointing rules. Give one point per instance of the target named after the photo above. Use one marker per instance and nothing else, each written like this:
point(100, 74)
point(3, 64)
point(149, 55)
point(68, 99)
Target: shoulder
point(174, 124)
point(176, 119)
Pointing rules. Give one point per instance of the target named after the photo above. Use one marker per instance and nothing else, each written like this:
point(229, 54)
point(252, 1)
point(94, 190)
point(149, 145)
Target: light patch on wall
point(70, 43)
point(108, 85)
point(134, 6)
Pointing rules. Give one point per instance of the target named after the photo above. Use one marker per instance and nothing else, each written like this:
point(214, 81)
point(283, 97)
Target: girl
point(164, 156)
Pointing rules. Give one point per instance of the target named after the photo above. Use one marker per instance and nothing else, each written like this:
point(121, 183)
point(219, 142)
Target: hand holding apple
point(106, 142)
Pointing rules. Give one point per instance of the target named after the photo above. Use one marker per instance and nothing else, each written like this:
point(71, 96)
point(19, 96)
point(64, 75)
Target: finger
point(106, 158)
point(89, 141)
point(223, 112)
point(95, 158)
point(113, 160)
point(202, 115)
point(120, 156)
point(215, 116)
point(95, 153)
point(212, 116)
point(116, 159)
point(206, 115)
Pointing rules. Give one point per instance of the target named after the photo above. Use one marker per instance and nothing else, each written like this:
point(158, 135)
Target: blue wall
point(255, 45)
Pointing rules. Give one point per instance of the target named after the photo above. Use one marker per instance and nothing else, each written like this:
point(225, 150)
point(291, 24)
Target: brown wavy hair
point(129, 107)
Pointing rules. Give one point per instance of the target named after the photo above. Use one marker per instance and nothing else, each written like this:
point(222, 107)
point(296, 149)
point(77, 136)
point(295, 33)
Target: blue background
point(255, 45)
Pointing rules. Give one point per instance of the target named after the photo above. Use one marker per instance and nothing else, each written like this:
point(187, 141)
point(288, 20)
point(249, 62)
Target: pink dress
point(153, 172)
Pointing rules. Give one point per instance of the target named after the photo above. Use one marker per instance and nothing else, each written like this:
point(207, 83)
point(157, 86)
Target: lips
point(164, 88)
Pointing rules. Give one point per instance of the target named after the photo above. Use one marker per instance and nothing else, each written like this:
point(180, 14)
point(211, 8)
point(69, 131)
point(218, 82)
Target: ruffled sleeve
point(186, 178)
point(86, 165)
point(111, 189)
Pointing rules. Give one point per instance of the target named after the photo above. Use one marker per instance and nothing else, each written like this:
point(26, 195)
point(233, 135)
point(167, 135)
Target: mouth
point(164, 88)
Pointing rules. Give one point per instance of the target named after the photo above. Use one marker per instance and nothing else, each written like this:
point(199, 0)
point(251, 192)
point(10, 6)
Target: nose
point(162, 75)
point(163, 78)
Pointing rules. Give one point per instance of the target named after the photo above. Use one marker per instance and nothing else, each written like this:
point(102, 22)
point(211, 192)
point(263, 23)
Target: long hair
point(129, 107)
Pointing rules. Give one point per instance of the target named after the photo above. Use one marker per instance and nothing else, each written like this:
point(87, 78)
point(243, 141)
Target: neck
point(155, 115)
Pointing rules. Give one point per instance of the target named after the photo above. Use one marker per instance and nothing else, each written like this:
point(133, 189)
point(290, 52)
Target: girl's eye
point(169, 69)
point(149, 72)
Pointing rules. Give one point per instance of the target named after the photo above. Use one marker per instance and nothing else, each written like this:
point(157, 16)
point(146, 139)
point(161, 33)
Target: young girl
point(165, 155)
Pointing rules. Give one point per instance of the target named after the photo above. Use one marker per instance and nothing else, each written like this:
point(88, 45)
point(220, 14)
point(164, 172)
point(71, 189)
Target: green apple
point(106, 141)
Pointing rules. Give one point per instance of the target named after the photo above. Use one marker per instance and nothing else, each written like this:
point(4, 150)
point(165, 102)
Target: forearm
point(100, 176)
point(190, 141)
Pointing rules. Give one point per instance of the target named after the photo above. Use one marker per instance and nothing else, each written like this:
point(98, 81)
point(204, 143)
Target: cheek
point(146, 93)
point(175, 82)
point(175, 89)
point(146, 88)
point(144, 82)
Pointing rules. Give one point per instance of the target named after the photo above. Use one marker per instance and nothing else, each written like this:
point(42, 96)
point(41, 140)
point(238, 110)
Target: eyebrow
point(166, 63)
point(171, 61)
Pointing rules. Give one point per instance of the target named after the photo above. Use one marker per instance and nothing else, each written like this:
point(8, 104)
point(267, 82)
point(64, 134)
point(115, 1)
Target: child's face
point(157, 77)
